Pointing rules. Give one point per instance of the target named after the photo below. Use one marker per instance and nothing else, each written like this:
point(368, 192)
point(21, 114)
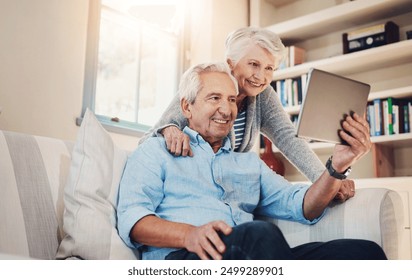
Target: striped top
point(239, 128)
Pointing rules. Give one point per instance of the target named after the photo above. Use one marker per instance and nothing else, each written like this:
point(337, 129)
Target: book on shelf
point(294, 119)
point(395, 119)
point(407, 117)
point(296, 55)
point(293, 56)
point(401, 117)
point(388, 116)
point(377, 117)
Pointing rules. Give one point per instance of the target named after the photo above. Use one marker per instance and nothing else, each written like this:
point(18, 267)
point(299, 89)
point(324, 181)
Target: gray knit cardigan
point(264, 114)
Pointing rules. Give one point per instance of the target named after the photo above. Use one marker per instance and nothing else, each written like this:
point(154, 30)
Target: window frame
point(90, 75)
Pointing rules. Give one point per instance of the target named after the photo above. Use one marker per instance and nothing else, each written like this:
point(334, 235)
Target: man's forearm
point(319, 195)
point(154, 231)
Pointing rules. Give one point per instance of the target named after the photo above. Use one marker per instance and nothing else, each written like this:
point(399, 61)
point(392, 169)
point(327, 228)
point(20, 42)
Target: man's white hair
point(190, 83)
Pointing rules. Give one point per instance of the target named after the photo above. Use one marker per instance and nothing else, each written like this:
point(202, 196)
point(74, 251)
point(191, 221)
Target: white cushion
point(91, 196)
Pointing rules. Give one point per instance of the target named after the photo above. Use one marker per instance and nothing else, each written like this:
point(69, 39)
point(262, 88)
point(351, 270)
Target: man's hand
point(346, 191)
point(344, 156)
point(356, 133)
point(177, 142)
point(205, 241)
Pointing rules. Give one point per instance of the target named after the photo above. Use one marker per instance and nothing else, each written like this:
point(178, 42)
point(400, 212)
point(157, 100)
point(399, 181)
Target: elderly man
point(203, 207)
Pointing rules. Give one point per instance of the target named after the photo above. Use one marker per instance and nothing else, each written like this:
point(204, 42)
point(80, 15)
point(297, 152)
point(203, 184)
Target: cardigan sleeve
point(171, 116)
point(277, 126)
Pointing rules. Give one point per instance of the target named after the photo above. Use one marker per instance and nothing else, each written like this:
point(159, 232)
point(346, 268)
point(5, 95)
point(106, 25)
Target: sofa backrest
point(33, 172)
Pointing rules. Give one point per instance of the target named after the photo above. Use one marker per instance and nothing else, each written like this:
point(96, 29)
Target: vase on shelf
point(270, 158)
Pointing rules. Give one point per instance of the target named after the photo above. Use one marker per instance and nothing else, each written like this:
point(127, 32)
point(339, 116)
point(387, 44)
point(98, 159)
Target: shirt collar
point(197, 139)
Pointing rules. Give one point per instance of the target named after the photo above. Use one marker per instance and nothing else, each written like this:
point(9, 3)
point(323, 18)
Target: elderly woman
point(253, 54)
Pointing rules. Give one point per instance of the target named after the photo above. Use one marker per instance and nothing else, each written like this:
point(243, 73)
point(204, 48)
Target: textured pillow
point(91, 195)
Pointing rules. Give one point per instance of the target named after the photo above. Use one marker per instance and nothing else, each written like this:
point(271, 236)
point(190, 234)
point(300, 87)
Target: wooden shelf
point(278, 3)
point(395, 92)
point(339, 17)
point(395, 140)
point(384, 56)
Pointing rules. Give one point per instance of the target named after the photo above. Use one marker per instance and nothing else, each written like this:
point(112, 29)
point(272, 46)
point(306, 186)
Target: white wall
point(42, 48)
point(211, 21)
point(42, 58)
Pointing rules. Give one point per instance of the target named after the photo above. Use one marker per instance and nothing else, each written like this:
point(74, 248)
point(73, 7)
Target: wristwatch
point(336, 174)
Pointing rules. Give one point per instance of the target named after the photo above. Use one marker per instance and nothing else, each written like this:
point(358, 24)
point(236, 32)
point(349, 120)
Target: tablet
point(328, 98)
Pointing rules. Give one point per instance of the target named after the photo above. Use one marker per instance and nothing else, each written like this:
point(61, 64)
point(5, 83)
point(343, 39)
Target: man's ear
point(186, 108)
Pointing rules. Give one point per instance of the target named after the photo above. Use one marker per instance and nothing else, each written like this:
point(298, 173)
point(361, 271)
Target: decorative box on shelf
point(370, 37)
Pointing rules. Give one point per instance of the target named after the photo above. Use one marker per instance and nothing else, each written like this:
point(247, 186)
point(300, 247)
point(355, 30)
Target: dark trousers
point(259, 240)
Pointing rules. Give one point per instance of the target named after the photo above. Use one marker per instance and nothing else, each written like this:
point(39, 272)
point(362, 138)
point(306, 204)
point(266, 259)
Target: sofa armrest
point(33, 172)
point(373, 214)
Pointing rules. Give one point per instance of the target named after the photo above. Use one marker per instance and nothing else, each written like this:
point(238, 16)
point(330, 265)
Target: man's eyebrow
point(214, 93)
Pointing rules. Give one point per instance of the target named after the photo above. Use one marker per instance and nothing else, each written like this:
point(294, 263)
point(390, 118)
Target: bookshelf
point(317, 26)
point(324, 25)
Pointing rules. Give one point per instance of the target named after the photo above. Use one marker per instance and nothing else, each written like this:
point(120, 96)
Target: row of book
point(291, 91)
point(389, 116)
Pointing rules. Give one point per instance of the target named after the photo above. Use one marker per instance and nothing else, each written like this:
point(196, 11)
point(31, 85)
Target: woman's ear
point(230, 63)
point(186, 108)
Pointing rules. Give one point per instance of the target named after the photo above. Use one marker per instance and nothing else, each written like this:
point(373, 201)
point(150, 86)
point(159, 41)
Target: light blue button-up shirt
point(226, 185)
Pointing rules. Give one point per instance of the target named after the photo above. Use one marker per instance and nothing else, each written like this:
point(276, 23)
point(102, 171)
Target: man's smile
point(221, 121)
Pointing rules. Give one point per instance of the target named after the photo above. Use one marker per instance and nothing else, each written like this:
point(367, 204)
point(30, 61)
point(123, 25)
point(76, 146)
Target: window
point(133, 61)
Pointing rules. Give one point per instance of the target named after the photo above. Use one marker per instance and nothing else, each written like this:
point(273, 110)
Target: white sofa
point(57, 200)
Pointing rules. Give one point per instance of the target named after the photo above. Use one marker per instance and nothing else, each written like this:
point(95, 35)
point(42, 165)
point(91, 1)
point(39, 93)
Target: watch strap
point(336, 174)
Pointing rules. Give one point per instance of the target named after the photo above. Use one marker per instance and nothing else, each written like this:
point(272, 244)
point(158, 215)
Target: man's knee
point(257, 240)
point(265, 228)
point(262, 231)
point(372, 251)
point(357, 249)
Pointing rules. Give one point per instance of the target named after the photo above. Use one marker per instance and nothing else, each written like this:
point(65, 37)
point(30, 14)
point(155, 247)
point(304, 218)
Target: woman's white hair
point(239, 40)
point(190, 83)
